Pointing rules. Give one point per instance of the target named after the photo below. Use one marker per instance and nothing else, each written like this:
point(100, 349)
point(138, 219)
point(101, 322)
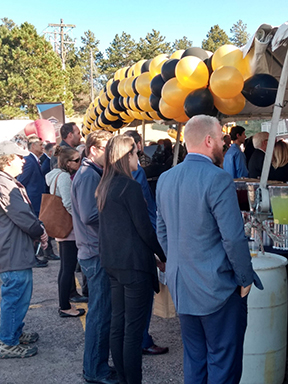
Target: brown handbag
point(56, 219)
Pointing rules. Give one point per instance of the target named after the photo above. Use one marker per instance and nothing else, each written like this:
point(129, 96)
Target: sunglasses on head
point(76, 160)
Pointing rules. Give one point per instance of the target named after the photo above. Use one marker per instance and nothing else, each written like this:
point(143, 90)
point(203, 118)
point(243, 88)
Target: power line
point(60, 38)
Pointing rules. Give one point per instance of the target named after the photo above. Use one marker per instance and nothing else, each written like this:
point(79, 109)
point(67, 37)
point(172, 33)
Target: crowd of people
point(124, 227)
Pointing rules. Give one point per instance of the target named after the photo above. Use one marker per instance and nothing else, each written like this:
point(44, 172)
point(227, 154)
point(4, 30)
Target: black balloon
point(105, 120)
point(168, 69)
point(134, 86)
point(96, 113)
point(126, 73)
point(208, 63)
point(261, 89)
point(114, 88)
point(196, 51)
point(199, 102)
point(100, 105)
point(154, 102)
point(117, 124)
point(145, 66)
point(121, 104)
point(136, 103)
point(156, 85)
point(111, 113)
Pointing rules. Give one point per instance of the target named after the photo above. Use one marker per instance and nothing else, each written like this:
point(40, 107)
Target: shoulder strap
point(56, 183)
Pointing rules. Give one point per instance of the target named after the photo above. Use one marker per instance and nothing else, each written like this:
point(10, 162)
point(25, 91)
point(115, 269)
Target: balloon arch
point(187, 83)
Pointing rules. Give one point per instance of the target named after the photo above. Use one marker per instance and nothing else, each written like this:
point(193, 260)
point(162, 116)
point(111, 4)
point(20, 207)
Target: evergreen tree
point(152, 45)
point(30, 72)
point(121, 53)
point(240, 34)
point(215, 38)
point(183, 43)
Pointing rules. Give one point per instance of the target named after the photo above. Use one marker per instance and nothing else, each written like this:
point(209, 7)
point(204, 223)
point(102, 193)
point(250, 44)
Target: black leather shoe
point(155, 350)
point(107, 380)
point(51, 256)
point(40, 263)
point(79, 299)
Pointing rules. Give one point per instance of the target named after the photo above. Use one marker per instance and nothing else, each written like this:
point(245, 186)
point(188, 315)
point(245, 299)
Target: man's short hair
point(237, 130)
point(136, 136)
point(198, 127)
point(258, 139)
point(95, 138)
point(49, 146)
point(32, 140)
point(66, 129)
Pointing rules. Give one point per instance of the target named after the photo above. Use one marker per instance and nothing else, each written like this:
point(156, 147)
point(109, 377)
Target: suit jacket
point(256, 164)
point(45, 167)
point(200, 228)
point(33, 180)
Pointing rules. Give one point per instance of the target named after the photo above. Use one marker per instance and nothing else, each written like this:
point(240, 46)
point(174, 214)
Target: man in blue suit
point(33, 179)
point(209, 269)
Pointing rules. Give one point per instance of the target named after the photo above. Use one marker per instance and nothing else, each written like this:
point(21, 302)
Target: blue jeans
point(96, 352)
point(16, 294)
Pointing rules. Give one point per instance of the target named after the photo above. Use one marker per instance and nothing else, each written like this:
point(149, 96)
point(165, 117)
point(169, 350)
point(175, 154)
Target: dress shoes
point(79, 299)
point(81, 312)
point(111, 379)
point(40, 263)
point(51, 256)
point(155, 350)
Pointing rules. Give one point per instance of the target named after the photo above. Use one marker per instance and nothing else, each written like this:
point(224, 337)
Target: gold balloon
point(133, 105)
point(117, 74)
point(108, 89)
point(125, 102)
point(128, 86)
point(86, 131)
point(230, 106)
point(101, 124)
point(138, 66)
point(144, 104)
point(226, 82)
point(182, 119)
point(92, 114)
point(123, 73)
point(101, 92)
point(156, 64)
point(177, 54)
point(121, 88)
point(142, 84)
point(168, 111)
point(137, 115)
point(112, 108)
point(145, 116)
point(127, 118)
point(98, 110)
point(174, 93)
point(103, 100)
point(131, 70)
point(89, 120)
point(154, 115)
point(192, 72)
point(110, 117)
point(231, 56)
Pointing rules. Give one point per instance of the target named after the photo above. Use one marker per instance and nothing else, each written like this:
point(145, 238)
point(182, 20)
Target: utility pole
point(59, 32)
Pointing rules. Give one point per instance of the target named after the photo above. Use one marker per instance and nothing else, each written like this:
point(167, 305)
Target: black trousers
point(130, 307)
point(68, 260)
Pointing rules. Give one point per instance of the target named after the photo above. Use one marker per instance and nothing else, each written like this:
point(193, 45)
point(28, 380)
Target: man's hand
point(161, 265)
point(245, 291)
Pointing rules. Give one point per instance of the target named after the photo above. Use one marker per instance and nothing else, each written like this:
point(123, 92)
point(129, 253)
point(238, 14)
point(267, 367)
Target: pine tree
point(240, 34)
point(215, 38)
point(152, 45)
point(30, 72)
point(183, 43)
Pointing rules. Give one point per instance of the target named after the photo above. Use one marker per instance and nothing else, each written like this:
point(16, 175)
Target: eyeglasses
point(76, 160)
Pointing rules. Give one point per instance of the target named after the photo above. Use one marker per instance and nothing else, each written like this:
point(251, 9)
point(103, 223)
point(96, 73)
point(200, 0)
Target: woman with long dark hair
point(68, 164)
point(127, 246)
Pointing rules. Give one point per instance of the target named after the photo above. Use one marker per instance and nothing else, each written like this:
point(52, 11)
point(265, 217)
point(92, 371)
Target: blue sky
point(174, 19)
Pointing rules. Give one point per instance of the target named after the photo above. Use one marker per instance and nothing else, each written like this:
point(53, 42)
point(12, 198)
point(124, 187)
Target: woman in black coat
point(127, 244)
point(279, 169)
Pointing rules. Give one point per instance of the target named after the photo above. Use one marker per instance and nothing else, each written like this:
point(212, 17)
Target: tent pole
point(143, 132)
point(176, 148)
point(274, 122)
